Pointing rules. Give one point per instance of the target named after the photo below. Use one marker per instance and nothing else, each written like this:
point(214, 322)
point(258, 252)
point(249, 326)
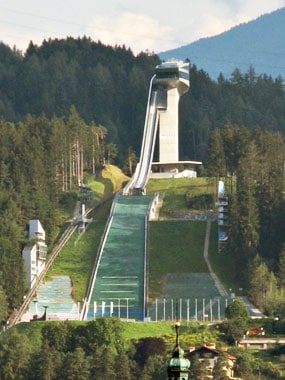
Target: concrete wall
point(168, 129)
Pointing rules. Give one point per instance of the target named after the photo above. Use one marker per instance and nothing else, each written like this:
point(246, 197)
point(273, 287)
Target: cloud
point(137, 31)
point(252, 9)
point(213, 17)
point(212, 25)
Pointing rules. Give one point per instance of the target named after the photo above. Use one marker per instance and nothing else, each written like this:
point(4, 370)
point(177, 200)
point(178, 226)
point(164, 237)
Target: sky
point(141, 25)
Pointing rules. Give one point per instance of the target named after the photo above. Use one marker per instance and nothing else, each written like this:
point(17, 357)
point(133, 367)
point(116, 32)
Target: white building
point(35, 252)
point(36, 230)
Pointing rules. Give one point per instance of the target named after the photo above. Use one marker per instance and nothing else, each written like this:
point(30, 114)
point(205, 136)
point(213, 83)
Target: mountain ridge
point(259, 43)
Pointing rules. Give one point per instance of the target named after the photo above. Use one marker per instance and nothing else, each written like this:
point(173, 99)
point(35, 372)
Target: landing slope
point(119, 285)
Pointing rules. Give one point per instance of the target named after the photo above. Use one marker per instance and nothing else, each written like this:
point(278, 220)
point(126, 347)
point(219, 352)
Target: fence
point(165, 309)
point(189, 309)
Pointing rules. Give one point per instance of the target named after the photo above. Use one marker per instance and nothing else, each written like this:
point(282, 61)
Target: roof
point(36, 229)
point(207, 351)
point(178, 162)
point(203, 351)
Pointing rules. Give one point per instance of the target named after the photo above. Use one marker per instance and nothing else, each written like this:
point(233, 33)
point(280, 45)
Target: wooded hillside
point(252, 164)
point(109, 86)
point(69, 105)
point(42, 162)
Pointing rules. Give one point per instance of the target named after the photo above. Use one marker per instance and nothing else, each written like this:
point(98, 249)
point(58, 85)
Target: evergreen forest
point(69, 106)
point(109, 86)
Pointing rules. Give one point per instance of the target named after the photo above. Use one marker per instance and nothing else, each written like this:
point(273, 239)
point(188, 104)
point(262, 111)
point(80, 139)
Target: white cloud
point(252, 9)
point(137, 31)
point(212, 25)
point(212, 17)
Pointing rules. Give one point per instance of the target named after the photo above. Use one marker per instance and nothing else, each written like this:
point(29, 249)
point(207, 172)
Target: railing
point(146, 261)
point(143, 168)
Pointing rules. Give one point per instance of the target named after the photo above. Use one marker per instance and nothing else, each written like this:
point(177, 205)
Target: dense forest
point(252, 163)
point(69, 105)
point(109, 86)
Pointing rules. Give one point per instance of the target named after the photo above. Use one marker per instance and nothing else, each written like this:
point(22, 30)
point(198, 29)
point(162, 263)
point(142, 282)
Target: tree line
point(69, 351)
point(100, 350)
point(251, 161)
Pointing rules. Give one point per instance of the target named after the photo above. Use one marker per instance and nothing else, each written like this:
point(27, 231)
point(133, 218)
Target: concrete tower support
point(170, 82)
point(168, 129)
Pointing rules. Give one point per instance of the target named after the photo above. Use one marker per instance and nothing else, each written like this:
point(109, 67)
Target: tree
point(147, 347)
point(124, 367)
point(244, 367)
point(103, 364)
point(237, 320)
point(111, 153)
point(75, 366)
point(281, 268)
point(11, 265)
point(216, 155)
point(3, 305)
point(105, 332)
point(46, 364)
point(195, 368)
point(262, 284)
point(236, 309)
point(154, 368)
point(57, 335)
point(130, 162)
point(220, 369)
point(76, 129)
point(15, 354)
point(247, 173)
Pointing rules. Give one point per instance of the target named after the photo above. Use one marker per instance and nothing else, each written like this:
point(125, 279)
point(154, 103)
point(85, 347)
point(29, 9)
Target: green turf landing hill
point(181, 286)
point(120, 276)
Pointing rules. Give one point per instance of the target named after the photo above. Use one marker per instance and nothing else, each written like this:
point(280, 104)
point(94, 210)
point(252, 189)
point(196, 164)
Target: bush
point(200, 202)
point(67, 200)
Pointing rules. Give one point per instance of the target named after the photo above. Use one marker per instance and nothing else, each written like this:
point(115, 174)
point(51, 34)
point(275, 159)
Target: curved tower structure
point(170, 82)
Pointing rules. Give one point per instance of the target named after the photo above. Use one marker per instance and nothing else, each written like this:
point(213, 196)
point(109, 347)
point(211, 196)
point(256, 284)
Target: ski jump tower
point(170, 82)
point(173, 77)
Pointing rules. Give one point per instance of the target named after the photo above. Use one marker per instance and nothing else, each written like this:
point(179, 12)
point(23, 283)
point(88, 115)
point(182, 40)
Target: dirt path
point(218, 283)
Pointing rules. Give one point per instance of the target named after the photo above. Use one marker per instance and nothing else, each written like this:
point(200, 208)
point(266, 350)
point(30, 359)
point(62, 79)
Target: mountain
point(259, 43)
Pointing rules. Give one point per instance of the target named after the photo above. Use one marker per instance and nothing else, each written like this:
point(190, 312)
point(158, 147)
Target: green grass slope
point(175, 247)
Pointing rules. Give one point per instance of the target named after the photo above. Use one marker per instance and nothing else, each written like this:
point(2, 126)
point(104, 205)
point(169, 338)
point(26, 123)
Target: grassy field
point(174, 191)
point(169, 251)
point(111, 180)
point(77, 258)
